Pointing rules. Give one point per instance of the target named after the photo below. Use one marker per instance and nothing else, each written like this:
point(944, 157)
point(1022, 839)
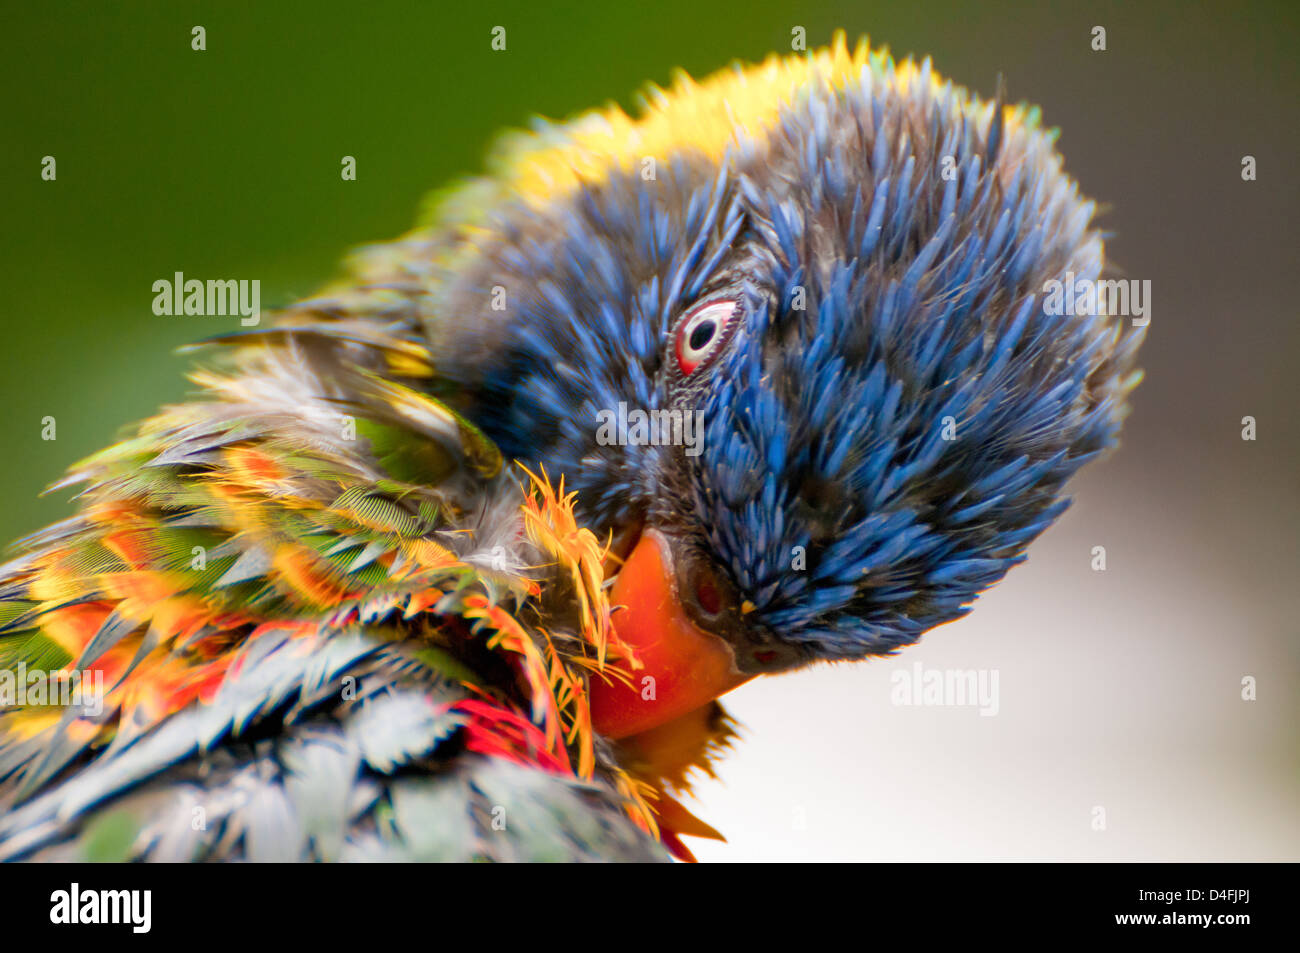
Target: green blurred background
point(225, 163)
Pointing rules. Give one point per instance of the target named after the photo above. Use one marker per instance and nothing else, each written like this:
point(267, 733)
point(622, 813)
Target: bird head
point(785, 334)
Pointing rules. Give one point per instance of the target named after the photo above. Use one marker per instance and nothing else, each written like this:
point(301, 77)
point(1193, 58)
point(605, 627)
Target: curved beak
point(684, 666)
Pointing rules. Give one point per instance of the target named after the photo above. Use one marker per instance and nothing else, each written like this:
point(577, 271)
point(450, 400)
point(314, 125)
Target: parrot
point(453, 559)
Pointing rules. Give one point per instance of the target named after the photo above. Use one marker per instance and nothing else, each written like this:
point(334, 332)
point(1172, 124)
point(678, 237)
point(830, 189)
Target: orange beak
point(684, 666)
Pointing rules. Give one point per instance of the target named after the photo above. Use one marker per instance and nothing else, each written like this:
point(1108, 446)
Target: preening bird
point(436, 564)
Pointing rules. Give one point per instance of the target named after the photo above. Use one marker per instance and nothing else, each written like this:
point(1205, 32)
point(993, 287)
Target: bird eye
point(701, 332)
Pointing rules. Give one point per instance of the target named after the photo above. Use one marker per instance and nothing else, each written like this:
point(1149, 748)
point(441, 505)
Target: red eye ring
point(701, 333)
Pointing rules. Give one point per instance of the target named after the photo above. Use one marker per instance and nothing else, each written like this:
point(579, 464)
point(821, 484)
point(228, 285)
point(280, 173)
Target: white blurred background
point(1118, 689)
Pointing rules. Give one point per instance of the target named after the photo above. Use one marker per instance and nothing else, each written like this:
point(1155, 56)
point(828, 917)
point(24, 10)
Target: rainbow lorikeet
point(452, 560)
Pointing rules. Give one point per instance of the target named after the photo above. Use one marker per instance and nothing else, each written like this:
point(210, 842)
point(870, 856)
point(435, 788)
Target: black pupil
point(702, 334)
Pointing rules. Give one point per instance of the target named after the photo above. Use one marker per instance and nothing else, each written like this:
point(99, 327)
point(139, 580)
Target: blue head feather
point(895, 417)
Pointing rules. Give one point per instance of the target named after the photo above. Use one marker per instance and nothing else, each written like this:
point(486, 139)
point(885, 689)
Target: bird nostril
point(707, 595)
